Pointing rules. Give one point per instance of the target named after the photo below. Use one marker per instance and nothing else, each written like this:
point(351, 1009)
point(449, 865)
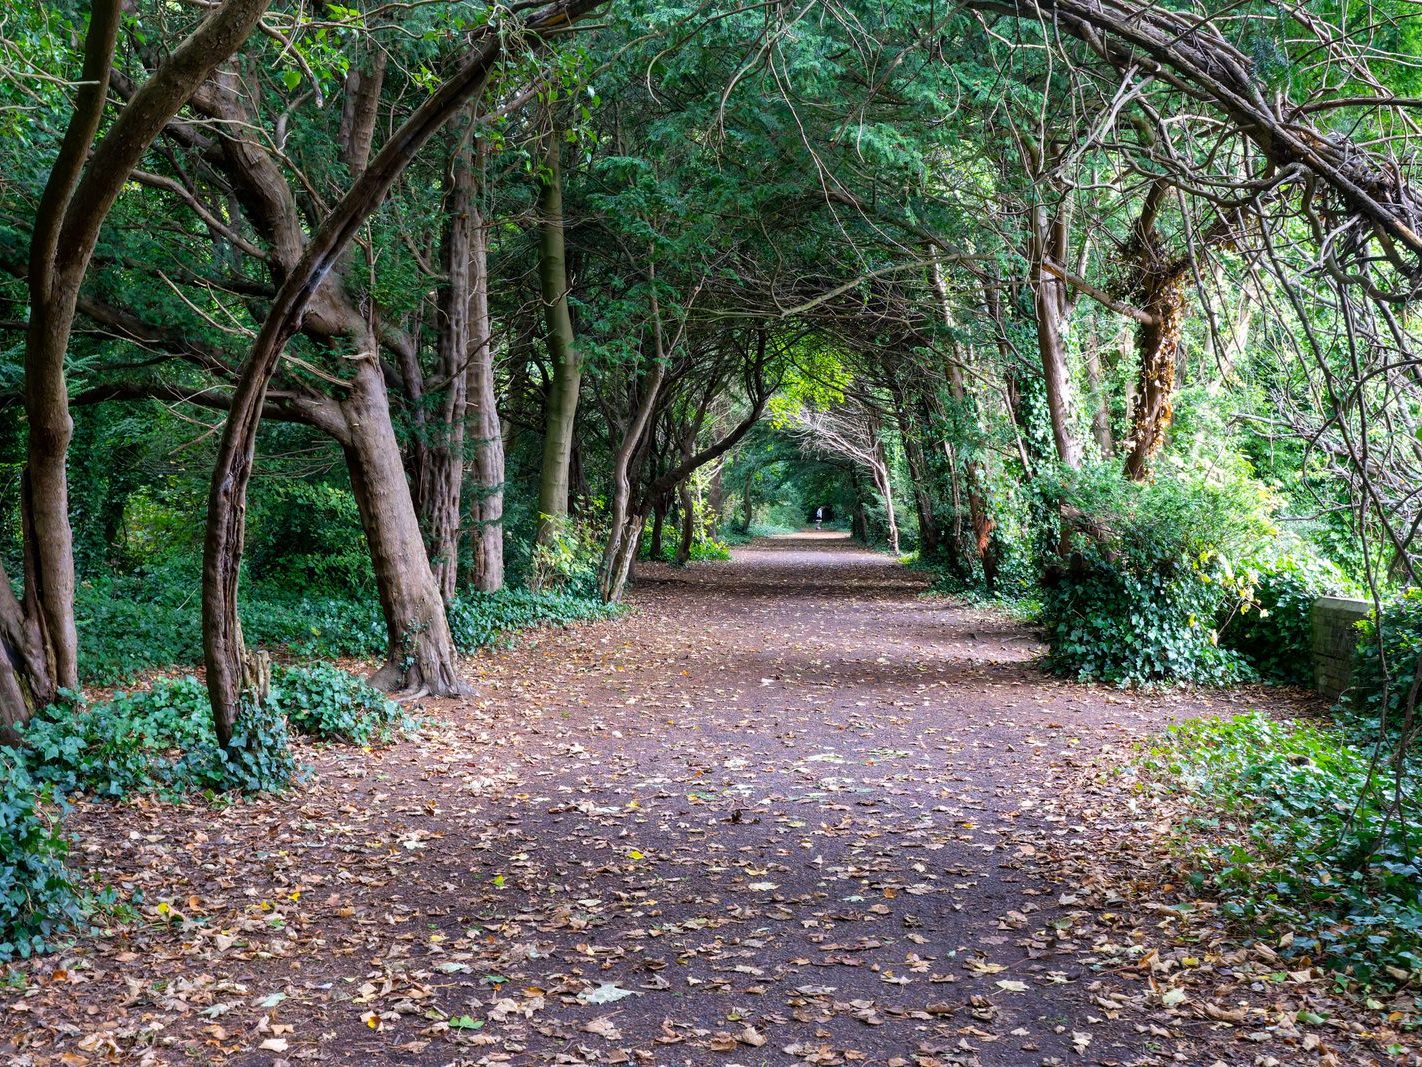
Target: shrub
point(1274, 630)
point(569, 560)
point(1145, 574)
point(709, 550)
point(259, 760)
point(38, 896)
point(130, 743)
point(328, 704)
point(1297, 833)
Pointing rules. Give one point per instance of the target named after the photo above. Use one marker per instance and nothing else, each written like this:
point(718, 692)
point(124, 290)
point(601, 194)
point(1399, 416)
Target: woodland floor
point(786, 811)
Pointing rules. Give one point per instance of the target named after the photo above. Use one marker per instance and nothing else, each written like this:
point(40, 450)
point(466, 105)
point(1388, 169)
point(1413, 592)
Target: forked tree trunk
point(561, 415)
point(222, 548)
point(421, 655)
point(627, 518)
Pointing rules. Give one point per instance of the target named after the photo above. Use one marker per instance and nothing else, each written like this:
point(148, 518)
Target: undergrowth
point(133, 624)
point(157, 741)
point(1299, 835)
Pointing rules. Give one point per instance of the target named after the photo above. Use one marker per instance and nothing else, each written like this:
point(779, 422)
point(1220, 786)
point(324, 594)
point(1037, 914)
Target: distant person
point(819, 517)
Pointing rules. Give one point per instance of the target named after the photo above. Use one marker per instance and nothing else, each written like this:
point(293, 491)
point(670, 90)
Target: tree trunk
point(1100, 402)
point(1157, 346)
point(919, 473)
point(716, 498)
point(747, 501)
point(1159, 286)
point(486, 511)
point(1048, 243)
point(688, 522)
point(659, 517)
point(562, 409)
point(627, 518)
point(421, 655)
point(440, 470)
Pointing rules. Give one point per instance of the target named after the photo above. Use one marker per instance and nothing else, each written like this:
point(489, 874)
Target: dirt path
point(781, 813)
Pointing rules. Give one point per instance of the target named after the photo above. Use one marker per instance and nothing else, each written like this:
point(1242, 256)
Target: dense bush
point(481, 619)
point(1273, 629)
point(1145, 573)
point(709, 550)
point(328, 704)
point(156, 740)
point(1296, 833)
point(38, 896)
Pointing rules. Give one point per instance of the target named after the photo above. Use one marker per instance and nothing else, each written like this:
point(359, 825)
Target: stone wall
point(1334, 640)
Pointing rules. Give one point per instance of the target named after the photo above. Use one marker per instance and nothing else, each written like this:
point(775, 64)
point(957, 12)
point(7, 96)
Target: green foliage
point(38, 895)
point(158, 740)
point(328, 704)
point(478, 620)
point(1273, 630)
point(1147, 573)
point(307, 536)
point(1296, 833)
point(569, 559)
point(1385, 670)
point(133, 623)
point(259, 760)
point(142, 741)
point(707, 549)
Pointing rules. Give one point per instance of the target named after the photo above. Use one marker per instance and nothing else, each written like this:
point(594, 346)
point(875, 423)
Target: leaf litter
point(787, 811)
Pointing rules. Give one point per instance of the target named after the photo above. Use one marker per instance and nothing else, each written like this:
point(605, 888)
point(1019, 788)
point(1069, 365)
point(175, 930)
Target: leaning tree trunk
point(227, 499)
point(39, 646)
point(420, 655)
point(562, 409)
